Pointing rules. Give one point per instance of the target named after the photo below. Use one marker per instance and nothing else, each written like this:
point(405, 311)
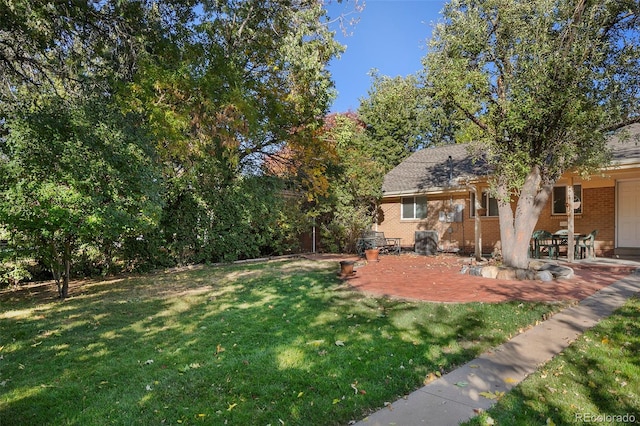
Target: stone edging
point(537, 270)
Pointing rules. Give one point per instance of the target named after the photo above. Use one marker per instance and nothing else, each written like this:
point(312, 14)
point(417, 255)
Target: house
point(435, 190)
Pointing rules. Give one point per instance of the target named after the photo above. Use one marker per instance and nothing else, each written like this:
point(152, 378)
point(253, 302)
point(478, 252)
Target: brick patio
point(438, 279)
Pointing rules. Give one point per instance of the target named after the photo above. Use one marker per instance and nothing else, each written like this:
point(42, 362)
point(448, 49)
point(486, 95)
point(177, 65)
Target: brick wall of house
point(598, 213)
point(452, 236)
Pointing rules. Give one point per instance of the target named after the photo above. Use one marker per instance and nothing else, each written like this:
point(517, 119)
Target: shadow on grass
point(595, 380)
point(249, 344)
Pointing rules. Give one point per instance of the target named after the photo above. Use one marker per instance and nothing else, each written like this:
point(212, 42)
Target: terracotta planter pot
point(346, 268)
point(372, 255)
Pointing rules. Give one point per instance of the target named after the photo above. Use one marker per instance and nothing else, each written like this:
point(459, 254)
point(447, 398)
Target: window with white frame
point(489, 205)
point(414, 207)
point(559, 199)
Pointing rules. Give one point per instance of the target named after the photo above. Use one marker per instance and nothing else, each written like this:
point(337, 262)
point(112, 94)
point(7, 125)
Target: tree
point(247, 78)
point(73, 175)
point(355, 181)
point(245, 81)
point(543, 82)
point(68, 46)
point(395, 114)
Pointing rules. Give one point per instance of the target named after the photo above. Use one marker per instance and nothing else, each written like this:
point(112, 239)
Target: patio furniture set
point(544, 242)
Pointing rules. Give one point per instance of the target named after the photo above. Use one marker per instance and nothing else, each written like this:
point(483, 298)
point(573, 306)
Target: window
point(488, 203)
point(559, 201)
point(414, 207)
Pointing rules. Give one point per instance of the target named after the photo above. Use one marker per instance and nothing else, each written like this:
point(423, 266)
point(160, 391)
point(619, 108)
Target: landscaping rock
point(525, 274)
point(506, 274)
point(558, 271)
point(490, 271)
point(537, 270)
point(544, 276)
point(475, 271)
point(536, 265)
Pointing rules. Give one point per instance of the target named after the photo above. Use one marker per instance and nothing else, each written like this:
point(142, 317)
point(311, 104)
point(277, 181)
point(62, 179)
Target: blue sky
point(391, 36)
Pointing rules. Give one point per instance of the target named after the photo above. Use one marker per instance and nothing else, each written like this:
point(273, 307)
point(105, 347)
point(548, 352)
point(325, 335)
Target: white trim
point(617, 211)
point(414, 193)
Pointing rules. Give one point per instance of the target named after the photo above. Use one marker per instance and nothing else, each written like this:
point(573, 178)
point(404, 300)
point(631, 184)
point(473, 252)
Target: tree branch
point(621, 124)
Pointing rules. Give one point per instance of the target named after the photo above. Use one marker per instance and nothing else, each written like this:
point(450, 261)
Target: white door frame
point(617, 211)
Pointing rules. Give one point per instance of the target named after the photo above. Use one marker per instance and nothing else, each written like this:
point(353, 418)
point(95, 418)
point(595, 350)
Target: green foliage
point(76, 174)
point(246, 219)
point(355, 182)
point(395, 114)
point(541, 80)
point(71, 47)
point(245, 81)
point(219, 86)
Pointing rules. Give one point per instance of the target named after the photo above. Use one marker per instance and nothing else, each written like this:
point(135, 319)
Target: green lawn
point(595, 381)
point(278, 343)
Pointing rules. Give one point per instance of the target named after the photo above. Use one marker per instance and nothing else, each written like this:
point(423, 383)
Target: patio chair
point(543, 241)
point(585, 246)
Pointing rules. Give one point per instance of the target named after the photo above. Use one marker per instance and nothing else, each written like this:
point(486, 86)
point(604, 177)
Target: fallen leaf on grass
point(339, 343)
point(489, 421)
point(231, 407)
point(492, 395)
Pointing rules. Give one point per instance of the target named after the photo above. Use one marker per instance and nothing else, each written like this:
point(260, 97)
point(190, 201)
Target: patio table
point(561, 238)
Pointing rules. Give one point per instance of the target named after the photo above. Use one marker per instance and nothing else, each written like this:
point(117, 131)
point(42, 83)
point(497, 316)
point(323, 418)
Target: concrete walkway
point(442, 402)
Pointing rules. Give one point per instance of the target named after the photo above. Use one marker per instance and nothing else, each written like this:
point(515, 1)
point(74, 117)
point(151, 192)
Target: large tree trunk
point(516, 229)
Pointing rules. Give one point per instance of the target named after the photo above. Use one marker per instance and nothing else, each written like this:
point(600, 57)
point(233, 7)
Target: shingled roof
point(429, 170)
point(626, 145)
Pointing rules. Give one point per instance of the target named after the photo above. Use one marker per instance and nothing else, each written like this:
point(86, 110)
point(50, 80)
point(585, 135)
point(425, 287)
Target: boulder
point(525, 274)
point(475, 271)
point(558, 271)
point(544, 276)
point(490, 271)
point(506, 274)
